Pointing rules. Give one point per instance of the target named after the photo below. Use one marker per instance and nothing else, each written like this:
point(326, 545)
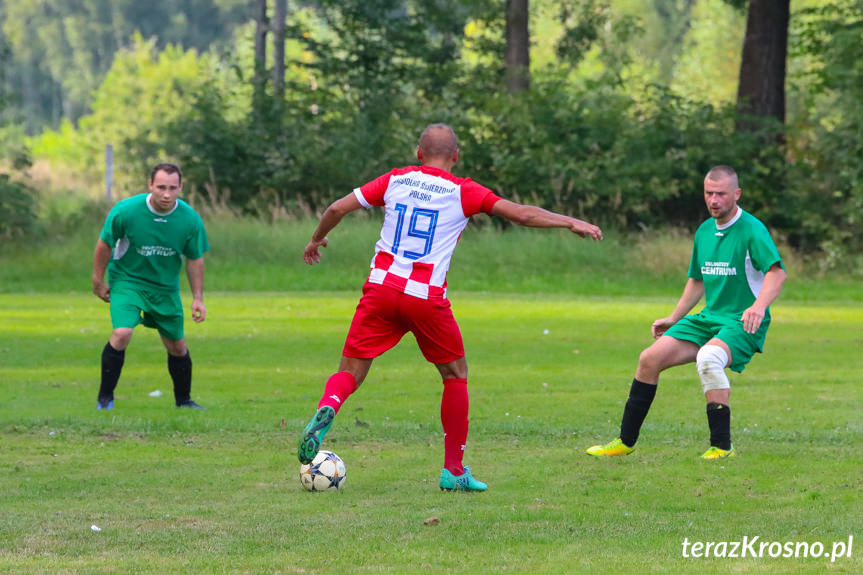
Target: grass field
point(249, 255)
point(217, 491)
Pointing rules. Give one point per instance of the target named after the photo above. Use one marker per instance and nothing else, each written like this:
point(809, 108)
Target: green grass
point(249, 255)
point(217, 491)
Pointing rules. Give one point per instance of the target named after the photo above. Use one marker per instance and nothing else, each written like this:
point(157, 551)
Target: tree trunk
point(30, 97)
point(761, 91)
point(517, 57)
point(260, 79)
point(278, 27)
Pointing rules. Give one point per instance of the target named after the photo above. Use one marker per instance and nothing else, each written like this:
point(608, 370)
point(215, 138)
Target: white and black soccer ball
point(326, 472)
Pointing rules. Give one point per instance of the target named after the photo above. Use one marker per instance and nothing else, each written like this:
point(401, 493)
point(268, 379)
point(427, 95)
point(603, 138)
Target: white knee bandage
point(711, 361)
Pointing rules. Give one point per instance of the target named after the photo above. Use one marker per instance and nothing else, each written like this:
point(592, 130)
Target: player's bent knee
point(456, 369)
point(711, 361)
point(121, 337)
point(176, 347)
point(650, 361)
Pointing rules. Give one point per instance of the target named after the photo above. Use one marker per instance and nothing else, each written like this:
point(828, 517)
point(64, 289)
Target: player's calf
point(711, 361)
point(112, 366)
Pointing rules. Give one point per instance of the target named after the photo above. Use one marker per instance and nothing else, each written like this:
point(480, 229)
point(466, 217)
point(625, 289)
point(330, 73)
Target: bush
point(17, 207)
point(365, 77)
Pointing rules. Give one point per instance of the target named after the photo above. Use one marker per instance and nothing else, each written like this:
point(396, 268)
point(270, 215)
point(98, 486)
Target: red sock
point(453, 416)
point(339, 387)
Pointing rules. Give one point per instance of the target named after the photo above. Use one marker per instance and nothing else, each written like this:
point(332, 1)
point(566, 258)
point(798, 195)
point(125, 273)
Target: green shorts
point(700, 328)
point(133, 305)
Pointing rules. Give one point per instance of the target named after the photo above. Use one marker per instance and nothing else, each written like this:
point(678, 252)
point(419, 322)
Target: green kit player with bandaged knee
point(736, 267)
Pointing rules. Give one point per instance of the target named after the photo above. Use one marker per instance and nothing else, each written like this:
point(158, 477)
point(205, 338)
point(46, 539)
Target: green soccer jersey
point(732, 260)
point(149, 247)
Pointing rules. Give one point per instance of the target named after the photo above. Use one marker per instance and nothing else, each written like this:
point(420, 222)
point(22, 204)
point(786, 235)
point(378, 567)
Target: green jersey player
point(142, 245)
point(736, 267)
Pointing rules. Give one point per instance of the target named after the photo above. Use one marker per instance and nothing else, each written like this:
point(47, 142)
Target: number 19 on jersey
point(421, 224)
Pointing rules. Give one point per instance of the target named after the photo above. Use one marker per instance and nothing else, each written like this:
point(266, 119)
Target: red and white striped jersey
point(426, 211)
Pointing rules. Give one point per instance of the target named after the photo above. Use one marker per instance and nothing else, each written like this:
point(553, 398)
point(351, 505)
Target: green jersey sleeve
point(112, 230)
point(762, 249)
point(197, 244)
point(694, 268)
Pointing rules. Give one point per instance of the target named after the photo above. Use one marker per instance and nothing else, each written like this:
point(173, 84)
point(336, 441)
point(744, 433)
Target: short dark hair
point(168, 169)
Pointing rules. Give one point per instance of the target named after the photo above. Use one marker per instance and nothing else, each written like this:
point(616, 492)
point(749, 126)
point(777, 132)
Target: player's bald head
point(438, 141)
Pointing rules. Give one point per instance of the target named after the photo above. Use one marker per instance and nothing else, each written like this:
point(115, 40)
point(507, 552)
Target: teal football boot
point(313, 434)
point(463, 482)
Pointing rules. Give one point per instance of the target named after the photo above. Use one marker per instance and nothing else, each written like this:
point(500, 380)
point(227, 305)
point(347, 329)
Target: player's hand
point(199, 310)
point(752, 318)
point(660, 326)
point(585, 229)
point(312, 254)
point(102, 291)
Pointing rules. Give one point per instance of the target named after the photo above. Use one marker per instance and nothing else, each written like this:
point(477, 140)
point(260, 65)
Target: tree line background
point(612, 110)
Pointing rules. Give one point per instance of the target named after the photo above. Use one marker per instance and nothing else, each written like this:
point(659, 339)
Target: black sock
point(112, 365)
point(640, 397)
point(180, 369)
point(719, 420)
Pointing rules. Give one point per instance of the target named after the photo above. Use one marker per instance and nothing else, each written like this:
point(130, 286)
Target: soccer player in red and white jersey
point(427, 207)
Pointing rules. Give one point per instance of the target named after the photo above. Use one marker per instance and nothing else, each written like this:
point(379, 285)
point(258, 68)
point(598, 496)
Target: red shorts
point(385, 314)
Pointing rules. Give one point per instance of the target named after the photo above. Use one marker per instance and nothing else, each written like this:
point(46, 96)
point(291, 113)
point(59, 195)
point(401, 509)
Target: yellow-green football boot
point(611, 449)
point(717, 453)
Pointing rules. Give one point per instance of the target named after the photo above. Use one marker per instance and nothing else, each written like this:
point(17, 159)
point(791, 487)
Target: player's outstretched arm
point(101, 257)
point(692, 292)
point(195, 273)
point(536, 217)
point(329, 220)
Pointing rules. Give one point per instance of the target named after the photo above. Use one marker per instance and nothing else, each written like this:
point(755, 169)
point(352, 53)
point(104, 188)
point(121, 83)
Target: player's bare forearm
point(692, 293)
point(195, 273)
point(770, 288)
point(774, 279)
point(329, 220)
point(536, 217)
point(101, 257)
